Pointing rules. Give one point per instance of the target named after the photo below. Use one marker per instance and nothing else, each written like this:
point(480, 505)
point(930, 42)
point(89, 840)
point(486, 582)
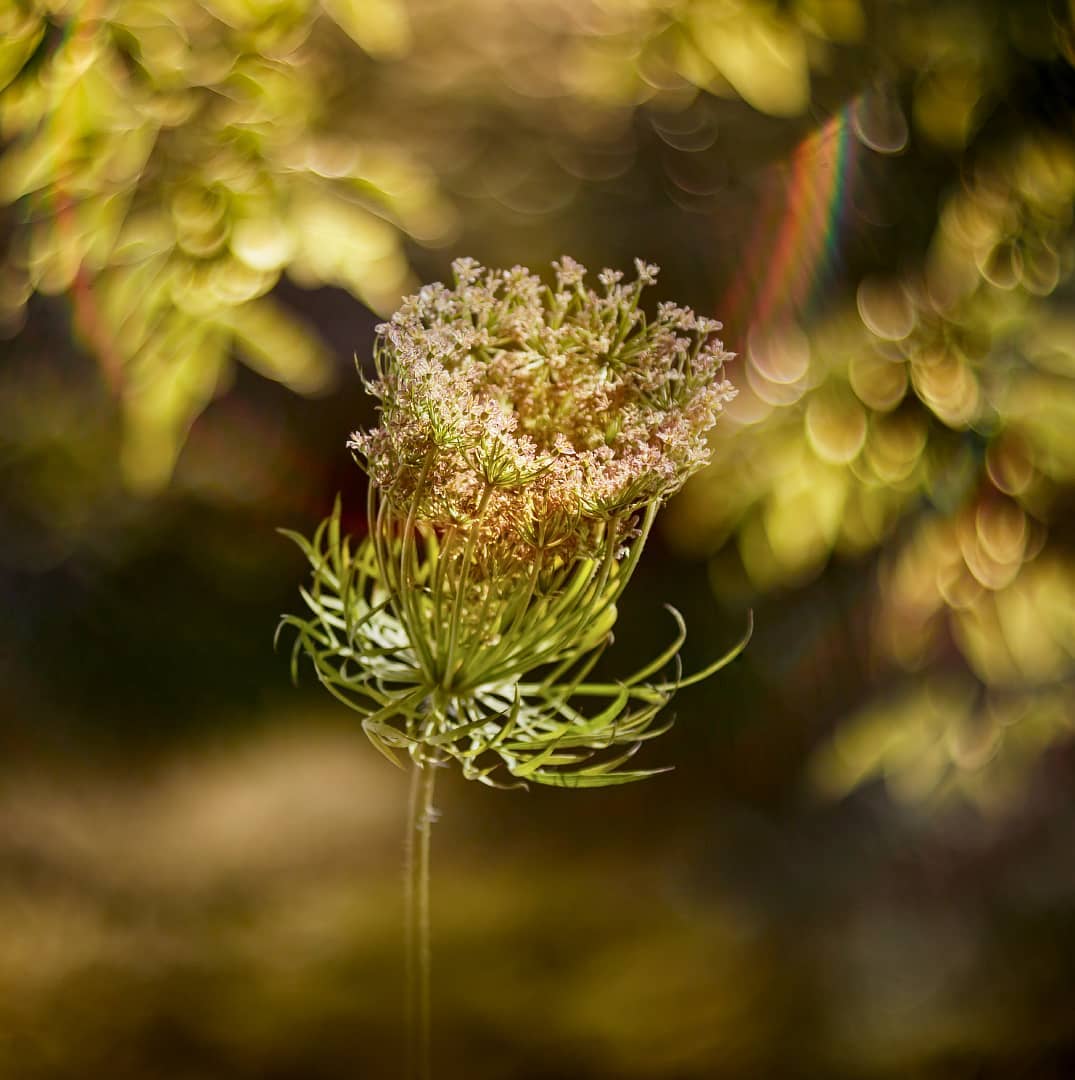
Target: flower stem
point(419, 953)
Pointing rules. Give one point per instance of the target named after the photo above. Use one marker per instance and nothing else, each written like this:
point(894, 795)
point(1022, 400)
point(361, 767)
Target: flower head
point(527, 436)
point(565, 398)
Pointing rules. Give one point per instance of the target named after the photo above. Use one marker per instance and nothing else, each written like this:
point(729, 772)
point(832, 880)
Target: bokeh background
point(864, 863)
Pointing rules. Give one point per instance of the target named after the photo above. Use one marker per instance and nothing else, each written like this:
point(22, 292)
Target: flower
point(527, 437)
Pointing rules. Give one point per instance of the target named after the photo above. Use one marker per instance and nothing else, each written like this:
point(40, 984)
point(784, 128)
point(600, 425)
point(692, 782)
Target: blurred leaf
point(762, 54)
point(380, 27)
point(275, 345)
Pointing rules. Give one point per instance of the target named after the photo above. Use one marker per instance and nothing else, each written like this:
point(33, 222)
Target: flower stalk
point(420, 818)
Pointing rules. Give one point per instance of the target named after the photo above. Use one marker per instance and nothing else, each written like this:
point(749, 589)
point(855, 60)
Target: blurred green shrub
point(932, 422)
point(169, 160)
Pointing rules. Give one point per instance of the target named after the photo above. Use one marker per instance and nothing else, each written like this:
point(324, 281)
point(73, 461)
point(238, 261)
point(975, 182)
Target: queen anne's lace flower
point(556, 399)
point(527, 437)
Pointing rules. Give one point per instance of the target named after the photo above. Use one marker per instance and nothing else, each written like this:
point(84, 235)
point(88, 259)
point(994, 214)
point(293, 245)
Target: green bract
point(528, 438)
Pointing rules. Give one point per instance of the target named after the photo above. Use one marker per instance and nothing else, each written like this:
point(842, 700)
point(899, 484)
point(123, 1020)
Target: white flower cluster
point(537, 415)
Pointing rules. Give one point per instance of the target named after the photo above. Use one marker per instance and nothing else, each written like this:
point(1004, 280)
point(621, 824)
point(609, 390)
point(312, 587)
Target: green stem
point(419, 953)
point(461, 585)
point(408, 592)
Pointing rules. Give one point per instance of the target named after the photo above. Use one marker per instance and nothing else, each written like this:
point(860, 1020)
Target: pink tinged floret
point(564, 401)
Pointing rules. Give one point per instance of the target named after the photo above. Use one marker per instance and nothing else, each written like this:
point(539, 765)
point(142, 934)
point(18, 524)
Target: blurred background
point(863, 865)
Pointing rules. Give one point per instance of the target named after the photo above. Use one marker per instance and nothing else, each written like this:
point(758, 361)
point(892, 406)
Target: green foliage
point(168, 161)
point(931, 423)
point(442, 666)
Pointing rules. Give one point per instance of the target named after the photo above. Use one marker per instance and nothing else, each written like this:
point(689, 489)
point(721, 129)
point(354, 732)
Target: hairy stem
point(419, 953)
